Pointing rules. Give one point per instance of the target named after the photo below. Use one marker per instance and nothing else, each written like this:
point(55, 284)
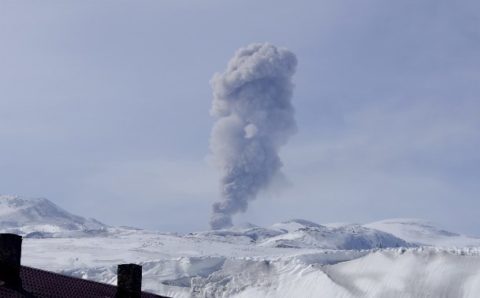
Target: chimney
point(129, 281)
point(10, 255)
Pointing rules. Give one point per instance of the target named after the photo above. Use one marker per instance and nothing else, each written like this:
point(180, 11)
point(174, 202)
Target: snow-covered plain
point(296, 258)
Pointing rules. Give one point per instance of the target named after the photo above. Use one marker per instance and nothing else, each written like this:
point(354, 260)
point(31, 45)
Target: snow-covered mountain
point(42, 218)
point(304, 234)
point(300, 233)
point(295, 258)
point(422, 232)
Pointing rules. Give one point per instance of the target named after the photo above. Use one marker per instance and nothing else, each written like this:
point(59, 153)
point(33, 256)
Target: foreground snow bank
point(192, 267)
point(383, 273)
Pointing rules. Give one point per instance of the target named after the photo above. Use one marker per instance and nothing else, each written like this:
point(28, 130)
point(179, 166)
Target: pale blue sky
point(104, 108)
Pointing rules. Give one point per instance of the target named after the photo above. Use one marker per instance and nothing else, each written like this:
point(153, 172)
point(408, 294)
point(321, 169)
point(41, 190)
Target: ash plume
point(254, 118)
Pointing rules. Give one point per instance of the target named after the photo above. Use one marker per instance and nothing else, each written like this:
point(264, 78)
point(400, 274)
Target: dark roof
point(45, 284)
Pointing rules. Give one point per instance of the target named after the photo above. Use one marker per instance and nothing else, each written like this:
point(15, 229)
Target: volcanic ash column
point(255, 117)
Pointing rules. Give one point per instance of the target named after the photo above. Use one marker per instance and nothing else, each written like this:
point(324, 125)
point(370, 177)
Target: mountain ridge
point(294, 258)
point(39, 217)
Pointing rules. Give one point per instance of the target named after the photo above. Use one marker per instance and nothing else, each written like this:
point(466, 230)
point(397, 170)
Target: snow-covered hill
point(422, 232)
point(300, 233)
point(295, 258)
point(42, 218)
point(305, 234)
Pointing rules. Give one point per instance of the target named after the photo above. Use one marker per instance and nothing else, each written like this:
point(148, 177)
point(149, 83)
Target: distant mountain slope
point(306, 234)
point(244, 234)
point(40, 218)
point(300, 233)
point(295, 224)
point(423, 233)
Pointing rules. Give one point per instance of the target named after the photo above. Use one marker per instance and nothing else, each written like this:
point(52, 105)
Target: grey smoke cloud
point(255, 117)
